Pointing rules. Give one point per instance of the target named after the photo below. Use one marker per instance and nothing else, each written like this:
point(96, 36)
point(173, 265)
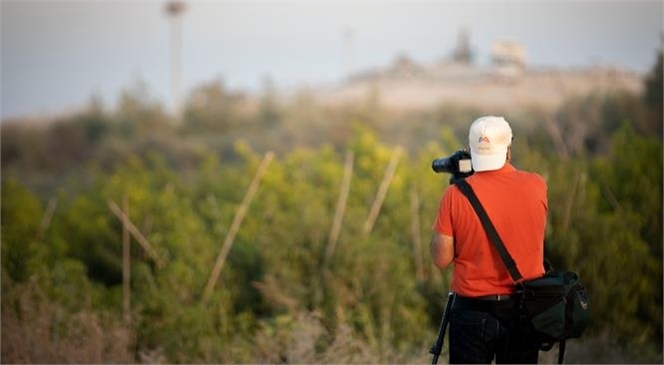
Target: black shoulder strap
point(491, 232)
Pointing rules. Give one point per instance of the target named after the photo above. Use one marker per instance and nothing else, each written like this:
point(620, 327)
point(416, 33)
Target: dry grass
point(36, 330)
point(603, 349)
point(304, 340)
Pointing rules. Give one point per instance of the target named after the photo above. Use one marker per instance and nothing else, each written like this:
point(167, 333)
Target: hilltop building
point(508, 81)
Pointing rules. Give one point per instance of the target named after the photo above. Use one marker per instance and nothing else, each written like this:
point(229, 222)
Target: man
point(481, 324)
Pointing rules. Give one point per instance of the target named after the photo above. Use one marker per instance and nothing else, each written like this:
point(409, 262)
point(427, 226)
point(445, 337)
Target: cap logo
point(483, 139)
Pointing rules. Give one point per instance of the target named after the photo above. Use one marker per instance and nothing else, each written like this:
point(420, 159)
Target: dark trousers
point(482, 333)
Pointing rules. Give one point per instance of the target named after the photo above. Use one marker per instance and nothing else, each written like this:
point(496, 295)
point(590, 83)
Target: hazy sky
point(56, 54)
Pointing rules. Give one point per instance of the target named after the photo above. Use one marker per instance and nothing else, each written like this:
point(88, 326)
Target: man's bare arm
point(442, 250)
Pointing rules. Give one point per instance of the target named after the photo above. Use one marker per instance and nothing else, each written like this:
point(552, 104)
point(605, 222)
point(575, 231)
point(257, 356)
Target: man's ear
point(509, 153)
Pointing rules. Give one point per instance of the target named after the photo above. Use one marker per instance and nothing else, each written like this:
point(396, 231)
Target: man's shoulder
point(532, 175)
point(453, 191)
point(532, 181)
point(529, 176)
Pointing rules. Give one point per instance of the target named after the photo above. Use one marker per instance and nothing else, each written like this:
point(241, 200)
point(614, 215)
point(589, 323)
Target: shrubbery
point(378, 299)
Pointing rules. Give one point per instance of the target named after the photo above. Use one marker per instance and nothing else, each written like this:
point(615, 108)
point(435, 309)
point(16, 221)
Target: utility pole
point(174, 9)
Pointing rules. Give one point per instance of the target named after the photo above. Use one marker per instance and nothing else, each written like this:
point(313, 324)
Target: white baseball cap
point(489, 138)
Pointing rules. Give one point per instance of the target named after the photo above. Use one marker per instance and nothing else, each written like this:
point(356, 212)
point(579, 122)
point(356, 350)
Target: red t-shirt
point(516, 203)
